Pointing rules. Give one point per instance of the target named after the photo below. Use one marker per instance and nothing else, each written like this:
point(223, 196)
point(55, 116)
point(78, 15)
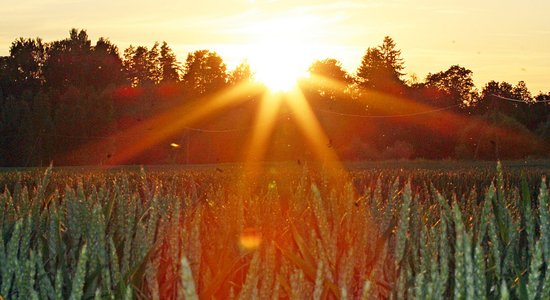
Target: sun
point(281, 52)
point(279, 64)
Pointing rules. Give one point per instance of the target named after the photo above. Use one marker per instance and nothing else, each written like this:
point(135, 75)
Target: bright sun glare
point(281, 52)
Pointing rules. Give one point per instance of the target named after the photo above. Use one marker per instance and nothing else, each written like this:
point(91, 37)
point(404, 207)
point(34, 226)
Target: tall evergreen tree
point(154, 69)
point(137, 66)
point(381, 67)
point(107, 65)
point(142, 66)
point(168, 64)
point(392, 58)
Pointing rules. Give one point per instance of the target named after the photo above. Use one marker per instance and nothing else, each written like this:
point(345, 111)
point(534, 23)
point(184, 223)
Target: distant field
point(293, 230)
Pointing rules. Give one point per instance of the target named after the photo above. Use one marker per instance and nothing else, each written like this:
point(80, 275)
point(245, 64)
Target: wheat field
point(287, 232)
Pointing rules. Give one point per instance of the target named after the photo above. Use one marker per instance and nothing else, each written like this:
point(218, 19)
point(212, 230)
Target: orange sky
point(501, 40)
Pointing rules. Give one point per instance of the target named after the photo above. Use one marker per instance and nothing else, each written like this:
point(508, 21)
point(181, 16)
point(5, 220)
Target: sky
point(500, 40)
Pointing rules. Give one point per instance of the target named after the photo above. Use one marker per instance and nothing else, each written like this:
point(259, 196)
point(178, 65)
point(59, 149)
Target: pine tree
point(154, 71)
point(168, 64)
point(381, 67)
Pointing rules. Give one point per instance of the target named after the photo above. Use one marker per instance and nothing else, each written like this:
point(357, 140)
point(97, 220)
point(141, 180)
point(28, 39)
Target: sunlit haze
point(498, 40)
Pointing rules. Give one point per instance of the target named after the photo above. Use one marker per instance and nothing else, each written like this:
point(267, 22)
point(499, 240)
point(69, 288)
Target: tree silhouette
point(106, 65)
point(371, 66)
point(142, 66)
point(68, 62)
point(381, 67)
point(538, 115)
point(205, 72)
point(240, 74)
point(135, 64)
point(23, 68)
point(540, 118)
point(329, 77)
point(392, 57)
point(5, 79)
point(154, 69)
point(495, 95)
point(456, 83)
point(130, 66)
point(62, 95)
point(13, 113)
point(521, 92)
point(168, 64)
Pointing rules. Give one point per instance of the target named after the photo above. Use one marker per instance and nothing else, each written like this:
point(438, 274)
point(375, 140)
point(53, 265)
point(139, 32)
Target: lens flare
point(250, 239)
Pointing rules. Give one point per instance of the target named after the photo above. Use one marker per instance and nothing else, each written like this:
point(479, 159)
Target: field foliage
point(290, 232)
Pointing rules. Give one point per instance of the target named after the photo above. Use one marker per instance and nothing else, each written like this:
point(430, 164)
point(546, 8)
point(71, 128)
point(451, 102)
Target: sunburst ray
point(166, 125)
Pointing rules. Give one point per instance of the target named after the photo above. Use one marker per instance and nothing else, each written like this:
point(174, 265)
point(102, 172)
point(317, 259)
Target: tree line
point(64, 95)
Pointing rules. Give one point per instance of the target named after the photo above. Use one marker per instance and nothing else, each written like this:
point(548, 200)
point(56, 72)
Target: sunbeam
point(312, 130)
point(137, 139)
point(378, 105)
point(264, 124)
